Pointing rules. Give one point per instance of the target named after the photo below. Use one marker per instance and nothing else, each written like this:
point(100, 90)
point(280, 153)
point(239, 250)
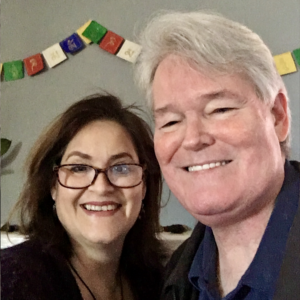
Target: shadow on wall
point(8, 158)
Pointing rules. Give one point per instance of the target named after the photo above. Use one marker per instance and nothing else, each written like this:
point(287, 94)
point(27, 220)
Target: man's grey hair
point(210, 43)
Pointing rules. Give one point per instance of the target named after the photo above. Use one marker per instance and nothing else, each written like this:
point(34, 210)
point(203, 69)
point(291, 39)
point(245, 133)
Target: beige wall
point(31, 26)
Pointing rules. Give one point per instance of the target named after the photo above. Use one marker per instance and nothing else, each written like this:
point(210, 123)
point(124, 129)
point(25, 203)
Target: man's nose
point(197, 135)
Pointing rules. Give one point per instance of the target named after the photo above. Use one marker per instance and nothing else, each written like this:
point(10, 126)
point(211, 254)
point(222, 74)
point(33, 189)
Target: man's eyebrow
point(162, 110)
point(222, 94)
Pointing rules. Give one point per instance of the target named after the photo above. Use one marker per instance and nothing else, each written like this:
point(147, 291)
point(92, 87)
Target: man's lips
point(207, 166)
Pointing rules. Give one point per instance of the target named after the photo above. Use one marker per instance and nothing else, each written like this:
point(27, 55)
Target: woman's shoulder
point(29, 271)
point(25, 254)
point(20, 254)
point(23, 270)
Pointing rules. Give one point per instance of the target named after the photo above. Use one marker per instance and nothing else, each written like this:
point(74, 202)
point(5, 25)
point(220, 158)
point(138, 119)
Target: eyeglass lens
point(80, 176)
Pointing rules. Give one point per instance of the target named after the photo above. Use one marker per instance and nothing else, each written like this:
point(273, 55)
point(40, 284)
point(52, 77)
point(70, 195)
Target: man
point(222, 138)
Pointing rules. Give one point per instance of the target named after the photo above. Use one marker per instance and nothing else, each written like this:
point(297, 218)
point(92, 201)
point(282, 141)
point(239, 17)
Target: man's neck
point(237, 245)
point(238, 239)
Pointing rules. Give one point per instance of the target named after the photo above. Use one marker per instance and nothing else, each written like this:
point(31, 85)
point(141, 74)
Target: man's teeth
point(207, 166)
point(100, 208)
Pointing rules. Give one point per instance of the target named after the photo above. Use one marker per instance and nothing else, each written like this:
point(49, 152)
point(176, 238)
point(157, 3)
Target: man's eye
point(223, 110)
point(169, 124)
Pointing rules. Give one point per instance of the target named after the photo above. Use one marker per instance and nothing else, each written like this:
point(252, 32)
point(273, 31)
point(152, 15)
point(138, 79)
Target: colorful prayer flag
point(13, 70)
point(81, 30)
point(296, 53)
point(111, 42)
point(54, 55)
point(129, 51)
point(95, 32)
point(34, 64)
point(285, 63)
point(72, 44)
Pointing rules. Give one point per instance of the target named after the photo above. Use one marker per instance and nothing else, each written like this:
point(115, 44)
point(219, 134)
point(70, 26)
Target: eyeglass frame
point(97, 172)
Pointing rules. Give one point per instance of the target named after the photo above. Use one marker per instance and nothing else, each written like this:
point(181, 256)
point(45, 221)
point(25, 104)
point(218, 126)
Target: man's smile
point(208, 166)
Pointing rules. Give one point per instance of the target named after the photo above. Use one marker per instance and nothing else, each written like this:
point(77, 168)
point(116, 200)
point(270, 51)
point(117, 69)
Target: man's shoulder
point(288, 281)
point(177, 269)
point(183, 256)
point(295, 164)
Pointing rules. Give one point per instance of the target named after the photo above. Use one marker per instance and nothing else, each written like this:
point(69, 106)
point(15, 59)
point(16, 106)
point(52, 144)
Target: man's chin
point(214, 216)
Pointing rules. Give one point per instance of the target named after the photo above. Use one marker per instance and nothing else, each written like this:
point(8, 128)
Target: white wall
point(31, 26)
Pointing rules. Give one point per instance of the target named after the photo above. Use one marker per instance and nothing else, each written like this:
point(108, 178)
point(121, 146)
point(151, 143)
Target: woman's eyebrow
point(120, 155)
point(110, 161)
point(79, 154)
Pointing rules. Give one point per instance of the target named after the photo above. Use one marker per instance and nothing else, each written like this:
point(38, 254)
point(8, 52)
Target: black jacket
point(176, 283)
point(29, 271)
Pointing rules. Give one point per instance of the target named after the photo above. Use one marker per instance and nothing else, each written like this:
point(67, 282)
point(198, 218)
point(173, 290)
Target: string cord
point(93, 296)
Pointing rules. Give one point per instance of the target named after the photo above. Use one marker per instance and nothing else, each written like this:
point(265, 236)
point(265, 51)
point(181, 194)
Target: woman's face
point(100, 213)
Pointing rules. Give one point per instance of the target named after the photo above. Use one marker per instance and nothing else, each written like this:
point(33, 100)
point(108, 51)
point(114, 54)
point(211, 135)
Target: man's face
point(217, 143)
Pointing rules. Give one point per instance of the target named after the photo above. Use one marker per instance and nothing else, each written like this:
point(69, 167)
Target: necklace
point(86, 286)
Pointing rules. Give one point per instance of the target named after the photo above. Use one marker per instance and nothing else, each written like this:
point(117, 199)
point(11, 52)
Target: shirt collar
point(203, 269)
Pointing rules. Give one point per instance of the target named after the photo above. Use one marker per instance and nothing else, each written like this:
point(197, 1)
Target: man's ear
point(281, 117)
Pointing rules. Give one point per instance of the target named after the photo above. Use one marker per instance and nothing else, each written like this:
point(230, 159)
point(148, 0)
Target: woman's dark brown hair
point(142, 252)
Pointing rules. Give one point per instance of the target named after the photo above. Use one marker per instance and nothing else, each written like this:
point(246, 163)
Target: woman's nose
point(101, 183)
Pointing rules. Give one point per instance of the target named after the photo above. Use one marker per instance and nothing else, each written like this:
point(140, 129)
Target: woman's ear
point(54, 192)
point(144, 189)
point(281, 116)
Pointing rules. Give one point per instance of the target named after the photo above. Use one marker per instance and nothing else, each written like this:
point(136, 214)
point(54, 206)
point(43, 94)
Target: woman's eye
point(79, 169)
point(120, 169)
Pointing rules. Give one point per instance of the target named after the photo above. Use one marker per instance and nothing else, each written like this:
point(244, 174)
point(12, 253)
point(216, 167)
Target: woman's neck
point(97, 267)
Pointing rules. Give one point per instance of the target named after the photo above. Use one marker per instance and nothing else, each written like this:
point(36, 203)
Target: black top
point(31, 272)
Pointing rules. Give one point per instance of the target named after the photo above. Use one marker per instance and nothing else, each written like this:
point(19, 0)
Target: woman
point(90, 210)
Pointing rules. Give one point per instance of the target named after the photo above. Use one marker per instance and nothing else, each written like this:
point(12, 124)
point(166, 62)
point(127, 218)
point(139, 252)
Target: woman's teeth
point(100, 207)
point(207, 166)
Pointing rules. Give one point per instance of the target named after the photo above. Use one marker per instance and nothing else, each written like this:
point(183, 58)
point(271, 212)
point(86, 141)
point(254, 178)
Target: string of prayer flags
point(34, 64)
point(109, 41)
point(54, 55)
point(296, 54)
point(72, 44)
point(82, 29)
point(284, 63)
point(13, 70)
point(95, 32)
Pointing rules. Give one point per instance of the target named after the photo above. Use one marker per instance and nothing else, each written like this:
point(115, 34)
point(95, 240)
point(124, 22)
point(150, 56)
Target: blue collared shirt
point(258, 282)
